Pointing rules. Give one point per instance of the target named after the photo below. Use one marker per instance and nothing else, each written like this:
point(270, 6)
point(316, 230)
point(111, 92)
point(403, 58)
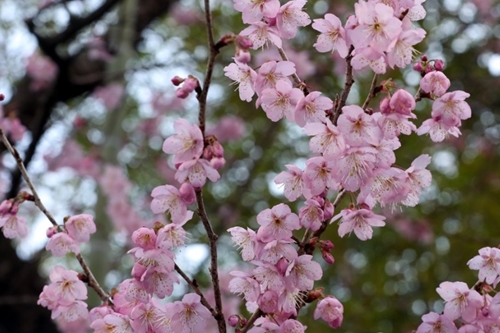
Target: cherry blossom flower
point(359, 220)
point(281, 101)
point(189, 315)
point(292, 181)
point(318, 176)
point(277, 223)
point(377, 27)
point(302, 272)
point(244, 239)
point(460, 301)
point(260, 33)
point(67, 285)
point(326, 140)
point(452, 108)
point(242, 283)
point(354, 167)
point(401, 54)
point(290, 17)
point(332, 35)
point(115, 322)
point(438, 129)
point(254, 11)
point(311, 108)
point(435, 82)
point(271, 72)
point(268, 301)
point(13, 226)
point(268, 276)
point(311, 215)
point(419, 178)
point(243, 75)
point(330, 310)
point(168, 198)
point(436, 323)
point(196, 171)
point(186, 144)
point(357, 127)
point(62, 243)
point(488, 264)
point(79, 227)
point(367, 57)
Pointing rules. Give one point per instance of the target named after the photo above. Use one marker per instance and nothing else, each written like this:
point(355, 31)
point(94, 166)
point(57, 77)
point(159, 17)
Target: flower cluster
point(77, 229)
point(12, 224)
point(469, 310)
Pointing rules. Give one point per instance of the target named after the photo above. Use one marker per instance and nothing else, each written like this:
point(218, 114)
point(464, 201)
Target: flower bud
point(233, 320)
point(187, 194)
point(2, 97)
point(51, 231)
point(424, 57)
point(218, 162)
point(418, 67)
point(190, 84)
point(243, 42)
point(268, 302)
point(328, 257)
point(176, 80)
point(242, 56)
point(328, 210)
point(438, 65)
point(326, 245)
point(181, 93)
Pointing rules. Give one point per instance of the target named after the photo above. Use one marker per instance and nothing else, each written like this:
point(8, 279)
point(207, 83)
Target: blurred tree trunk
point(20, 283)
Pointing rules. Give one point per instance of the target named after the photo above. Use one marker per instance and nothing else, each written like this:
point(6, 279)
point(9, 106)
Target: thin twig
point(372, 93)
point(92, 282)
point(214, 271)
point(195, 287)
point(27, 179)
point(295, 77)
point(349, 81)
point(256, 315)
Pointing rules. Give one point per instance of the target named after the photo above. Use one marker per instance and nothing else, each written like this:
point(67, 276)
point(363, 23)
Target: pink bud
point(326, 245)
point(218, 162)
point(176, 80)
point(51, 231)
point(187, 194)
point(181, 93)
point(6, 207)
point(138, 271)
point(2, 97)
point(282, 265)
point(242, 56)
point(233, 320)
point(384, 106)
point(190, 84)
point(328, 210)
point(243, 42)
point(218, 149)
point(439, 64)
point(418, 67)
point(423, 57)
point(268, 302)
point(328, 257)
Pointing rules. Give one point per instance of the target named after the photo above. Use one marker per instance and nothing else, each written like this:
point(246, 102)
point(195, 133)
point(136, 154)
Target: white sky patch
point(494, 64)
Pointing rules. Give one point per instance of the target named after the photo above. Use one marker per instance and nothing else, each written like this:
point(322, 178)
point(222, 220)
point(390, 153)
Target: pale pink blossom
point(67, 285)
point(488, 264)
point(318, 176)
point(79, 227)
point(244, 284)
point(277, 223)
point(460, 301)
point(196, 172)
point(330, 310)
point(70, 312)
point(14, 226)
point(292, 181)
point(244, 76)
point(271, 72)
point(435, 82)
point(354, 167)
point(290, 17)
point(438, 129)
point(377, 26)
point(436, 323)
point(268, 301)
point(419, 178)
point(326, 140)
point(357, 127)
point(311, 215)
point(260, 33)
point(332, 35)
point(186, 144)
point(312, 108)
point(360, 220)
point(268, 276)
point(189, 315)
point(281, 101)
point(244, 240)
point(114, 322)
point(168, 198)
point(386, 186)
point(302, 272)
point(254, 11)
point(402, 52)
point(451, 107)
point(62, 243)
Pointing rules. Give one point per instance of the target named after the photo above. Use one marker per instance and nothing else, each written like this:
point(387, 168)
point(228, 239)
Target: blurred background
point(89, 82)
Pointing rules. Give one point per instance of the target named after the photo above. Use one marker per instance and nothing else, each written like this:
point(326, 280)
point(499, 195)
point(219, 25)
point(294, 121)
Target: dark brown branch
point(349, 81)
point(214, 271)
point(194, 286)
point(373, 92)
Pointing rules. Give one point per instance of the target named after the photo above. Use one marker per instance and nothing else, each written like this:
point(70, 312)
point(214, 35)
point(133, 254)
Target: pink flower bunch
point(281, 273)
point(64, 295)
point(189, 85)
point(188, 147)
point(12, 224)
point(77, 229)
point(469, 310)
